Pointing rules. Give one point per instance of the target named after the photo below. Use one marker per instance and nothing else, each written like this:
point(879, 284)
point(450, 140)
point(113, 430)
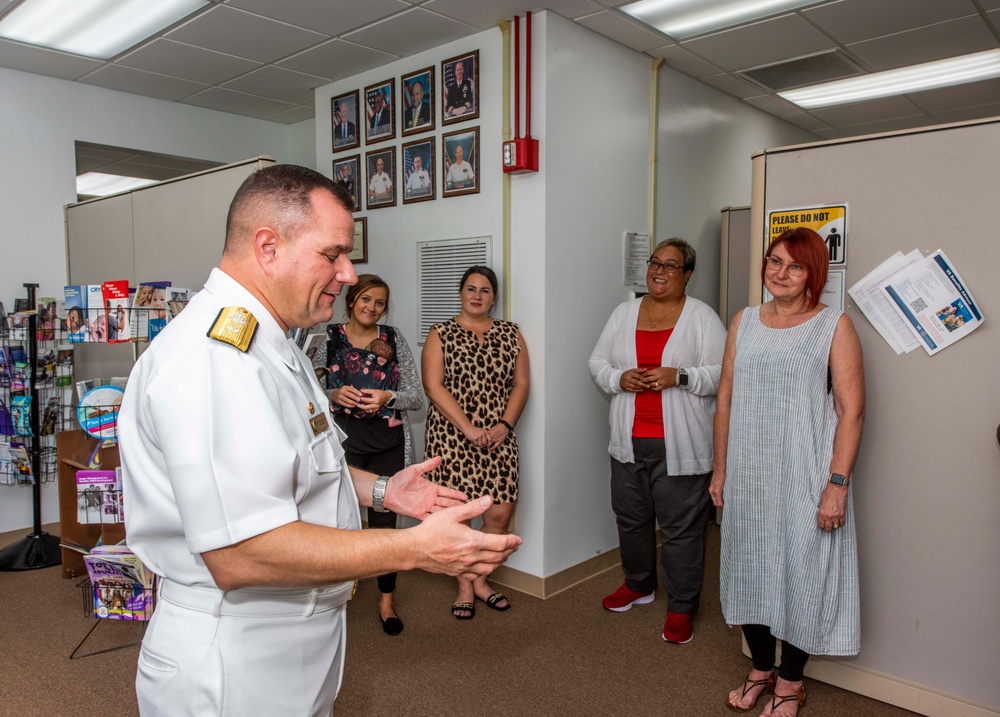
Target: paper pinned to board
point(877, 308)
point(935, 303)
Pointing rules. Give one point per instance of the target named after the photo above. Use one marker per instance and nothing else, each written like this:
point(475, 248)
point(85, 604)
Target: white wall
point(40, 119)
point(595, 141)
point(706, 141)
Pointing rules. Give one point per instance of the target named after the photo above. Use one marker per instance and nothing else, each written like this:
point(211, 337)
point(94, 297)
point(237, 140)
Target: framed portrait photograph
point(359, 255)
point(380, 175)
point(344, 121)
point(347, 173)
point(416, 92)
point(380, 111)
point(460, 88)
point(418, 171)
point(460, 162)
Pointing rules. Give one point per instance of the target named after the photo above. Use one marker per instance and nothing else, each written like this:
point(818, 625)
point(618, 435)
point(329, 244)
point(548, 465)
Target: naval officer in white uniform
point(236, 492)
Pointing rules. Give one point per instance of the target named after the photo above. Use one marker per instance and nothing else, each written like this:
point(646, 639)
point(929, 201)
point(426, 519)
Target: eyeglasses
point(670, 267)
point(775, 264)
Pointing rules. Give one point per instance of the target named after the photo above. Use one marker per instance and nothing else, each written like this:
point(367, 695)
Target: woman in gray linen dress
point(787, 431)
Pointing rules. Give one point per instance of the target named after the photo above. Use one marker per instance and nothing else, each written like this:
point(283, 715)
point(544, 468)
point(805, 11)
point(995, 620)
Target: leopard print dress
point(480, 376)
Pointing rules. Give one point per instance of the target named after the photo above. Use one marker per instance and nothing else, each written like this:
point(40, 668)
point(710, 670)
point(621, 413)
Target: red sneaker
point(679, 628)
point(625, 597)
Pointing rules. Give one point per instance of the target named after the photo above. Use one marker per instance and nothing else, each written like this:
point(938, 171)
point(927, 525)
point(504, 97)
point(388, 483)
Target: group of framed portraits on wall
point(376, 111)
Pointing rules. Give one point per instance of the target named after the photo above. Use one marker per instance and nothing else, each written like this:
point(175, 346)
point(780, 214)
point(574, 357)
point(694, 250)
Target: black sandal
point(748, 684)
point(461, 607)
point(492, 600)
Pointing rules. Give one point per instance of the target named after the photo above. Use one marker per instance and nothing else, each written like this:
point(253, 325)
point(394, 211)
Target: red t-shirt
point(648, 421)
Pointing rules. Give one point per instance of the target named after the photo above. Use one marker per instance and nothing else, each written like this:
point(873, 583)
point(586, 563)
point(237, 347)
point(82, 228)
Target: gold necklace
point(649, 316)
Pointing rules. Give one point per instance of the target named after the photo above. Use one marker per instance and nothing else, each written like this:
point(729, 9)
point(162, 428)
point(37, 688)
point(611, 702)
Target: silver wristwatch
point(682, 378)
point(838, 479)
point(378, 494)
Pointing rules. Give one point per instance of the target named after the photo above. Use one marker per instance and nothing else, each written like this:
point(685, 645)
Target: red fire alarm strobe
point(520, 156)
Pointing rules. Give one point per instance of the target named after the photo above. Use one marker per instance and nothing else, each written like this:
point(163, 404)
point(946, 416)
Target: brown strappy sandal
point(778, 700)
point(748, 684)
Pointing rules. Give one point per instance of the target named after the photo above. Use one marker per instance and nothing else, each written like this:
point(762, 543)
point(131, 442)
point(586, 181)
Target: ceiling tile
point(293, 116)
point(140, 82)
point(732, 86)
point(969, 113)
point(934, 42)
point(773, 105)
point(486, 14)
point(278, 84)
point(971, 94)
point(850, 21)
point(336, 60)
point(805, 121)
point(753, 45)
point(994, 18)
point(990, 4)
point(621, 29)
point(244, 34)
point(333, 17)
point(218, 98)
point(872, 111)
point(187, 62)
point(683, 61)
point(889, 125)
point(412, 32)
point(830, 133)
point(29, 58)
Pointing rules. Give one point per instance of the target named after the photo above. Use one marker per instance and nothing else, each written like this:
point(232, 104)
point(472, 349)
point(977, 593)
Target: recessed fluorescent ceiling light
point(94, 28)
point(684, 18)
point(927, 76)
point(96, 184)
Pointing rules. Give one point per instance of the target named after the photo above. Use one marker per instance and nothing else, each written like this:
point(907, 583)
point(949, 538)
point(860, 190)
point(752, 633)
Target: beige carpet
point(561, 656)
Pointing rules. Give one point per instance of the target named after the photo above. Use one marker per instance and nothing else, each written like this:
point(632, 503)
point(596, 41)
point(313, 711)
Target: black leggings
point(384, 463)
point(762, 643)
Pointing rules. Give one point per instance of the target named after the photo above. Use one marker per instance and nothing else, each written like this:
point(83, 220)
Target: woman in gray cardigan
point(659, 357)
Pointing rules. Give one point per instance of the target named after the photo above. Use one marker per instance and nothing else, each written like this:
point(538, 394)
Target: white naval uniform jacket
point(216, 444)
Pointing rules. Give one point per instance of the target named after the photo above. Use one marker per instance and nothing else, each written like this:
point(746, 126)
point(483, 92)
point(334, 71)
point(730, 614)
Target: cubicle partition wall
point(927, 481)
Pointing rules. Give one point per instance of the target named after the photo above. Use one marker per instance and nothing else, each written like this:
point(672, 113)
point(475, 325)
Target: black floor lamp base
point(35, 551)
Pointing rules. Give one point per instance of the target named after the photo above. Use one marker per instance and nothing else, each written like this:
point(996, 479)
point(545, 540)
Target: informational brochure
point(875, 305)
point(934, 302)
point(634, 260)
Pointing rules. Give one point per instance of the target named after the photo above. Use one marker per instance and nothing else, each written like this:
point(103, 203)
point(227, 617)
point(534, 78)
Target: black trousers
point(762, 643)
point(643, 495)
point(384, 463)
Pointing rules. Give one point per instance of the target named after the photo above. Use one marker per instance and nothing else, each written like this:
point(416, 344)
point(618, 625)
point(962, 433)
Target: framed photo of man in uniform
point(460, 88)
point(380, 111)
point(346, 173)
point(416, 92)
point(381, 178)
point(359, 254)
point(460, 162)
point(344, 121)
point(418, 171)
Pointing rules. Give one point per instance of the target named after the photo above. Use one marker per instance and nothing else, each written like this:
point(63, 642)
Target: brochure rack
point(40, 413)
point(87, 596)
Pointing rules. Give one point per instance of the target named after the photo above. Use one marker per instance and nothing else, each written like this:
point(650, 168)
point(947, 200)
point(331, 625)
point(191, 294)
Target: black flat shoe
point(392, 625)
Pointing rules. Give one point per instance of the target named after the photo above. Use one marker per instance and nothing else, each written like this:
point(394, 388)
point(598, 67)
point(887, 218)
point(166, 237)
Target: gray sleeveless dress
point(777, 567)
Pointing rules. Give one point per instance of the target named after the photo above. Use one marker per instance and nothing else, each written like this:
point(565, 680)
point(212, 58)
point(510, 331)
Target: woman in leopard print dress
point(476, 376)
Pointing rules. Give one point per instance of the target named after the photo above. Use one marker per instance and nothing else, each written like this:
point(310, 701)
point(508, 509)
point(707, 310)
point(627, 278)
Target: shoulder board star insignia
point(235, 326)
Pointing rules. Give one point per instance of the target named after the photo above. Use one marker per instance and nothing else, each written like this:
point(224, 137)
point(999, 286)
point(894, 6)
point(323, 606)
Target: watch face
point(838, 479)
point(682, 378)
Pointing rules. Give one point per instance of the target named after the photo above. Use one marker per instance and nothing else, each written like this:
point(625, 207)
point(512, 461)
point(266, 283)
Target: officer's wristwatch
point(378, 494)
point(838, 479)
point(682, 377)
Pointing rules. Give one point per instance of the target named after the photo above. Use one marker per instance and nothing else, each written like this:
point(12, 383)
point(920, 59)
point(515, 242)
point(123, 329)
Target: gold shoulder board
point(236, 326)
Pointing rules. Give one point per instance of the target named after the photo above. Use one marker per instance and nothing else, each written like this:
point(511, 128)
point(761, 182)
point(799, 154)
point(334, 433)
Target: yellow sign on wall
point(829, 222)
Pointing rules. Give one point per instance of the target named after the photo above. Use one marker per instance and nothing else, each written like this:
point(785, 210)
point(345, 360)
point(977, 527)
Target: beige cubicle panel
point(927, 481)
point(170, 231)
point(734, 277)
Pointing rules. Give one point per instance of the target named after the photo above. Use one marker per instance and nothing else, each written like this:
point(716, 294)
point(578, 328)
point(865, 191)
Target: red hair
point(807, 248)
